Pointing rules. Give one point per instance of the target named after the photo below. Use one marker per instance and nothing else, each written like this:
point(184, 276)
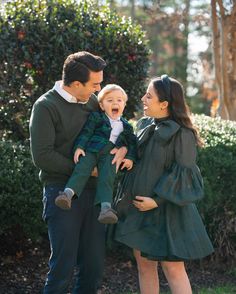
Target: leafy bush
point(20, 200)
point(20, 190)
point(36, 36)
point(217, 161)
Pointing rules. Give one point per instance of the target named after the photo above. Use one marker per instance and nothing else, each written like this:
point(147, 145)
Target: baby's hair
point(108, 89)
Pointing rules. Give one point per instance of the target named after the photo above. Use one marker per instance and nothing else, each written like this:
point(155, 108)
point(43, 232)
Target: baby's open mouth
point(115, 110)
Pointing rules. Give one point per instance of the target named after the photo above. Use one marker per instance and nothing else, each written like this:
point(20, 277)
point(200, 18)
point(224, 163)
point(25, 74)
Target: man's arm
point(42, 139)
point(119, 156)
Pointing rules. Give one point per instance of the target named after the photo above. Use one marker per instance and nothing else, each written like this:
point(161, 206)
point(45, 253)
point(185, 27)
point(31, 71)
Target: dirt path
point(24, 272)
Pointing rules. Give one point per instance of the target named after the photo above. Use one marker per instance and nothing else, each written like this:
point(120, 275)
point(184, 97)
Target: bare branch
point(222, 9)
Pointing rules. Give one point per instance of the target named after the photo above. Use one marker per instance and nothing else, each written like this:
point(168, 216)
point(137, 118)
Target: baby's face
point(113, 104)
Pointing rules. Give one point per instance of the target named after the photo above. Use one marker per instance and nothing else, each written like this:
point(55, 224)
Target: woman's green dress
point(166, 171)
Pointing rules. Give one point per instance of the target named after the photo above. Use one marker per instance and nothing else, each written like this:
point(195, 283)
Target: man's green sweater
point(54, 126)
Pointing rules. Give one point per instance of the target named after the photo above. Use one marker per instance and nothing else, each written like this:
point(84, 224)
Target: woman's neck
point(164, 115)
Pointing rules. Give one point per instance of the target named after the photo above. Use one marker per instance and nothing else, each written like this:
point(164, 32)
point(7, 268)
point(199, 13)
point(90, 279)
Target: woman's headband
point(166, 84)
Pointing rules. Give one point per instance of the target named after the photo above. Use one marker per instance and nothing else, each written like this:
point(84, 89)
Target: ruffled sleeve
point(182, 183)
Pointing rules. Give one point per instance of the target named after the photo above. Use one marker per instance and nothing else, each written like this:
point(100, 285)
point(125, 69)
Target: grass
point(230, 289)
point(219, 290)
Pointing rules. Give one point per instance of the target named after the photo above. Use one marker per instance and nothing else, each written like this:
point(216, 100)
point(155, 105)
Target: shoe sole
point(63, 204)
point(108, 220)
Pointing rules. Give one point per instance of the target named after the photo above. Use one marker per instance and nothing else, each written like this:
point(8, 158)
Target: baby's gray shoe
point(63, 201)
point(108, 216)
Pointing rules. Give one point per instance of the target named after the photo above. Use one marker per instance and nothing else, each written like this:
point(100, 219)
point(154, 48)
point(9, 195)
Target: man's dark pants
point(76, 238)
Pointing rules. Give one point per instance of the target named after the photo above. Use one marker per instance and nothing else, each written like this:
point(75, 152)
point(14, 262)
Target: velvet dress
point(166, 171)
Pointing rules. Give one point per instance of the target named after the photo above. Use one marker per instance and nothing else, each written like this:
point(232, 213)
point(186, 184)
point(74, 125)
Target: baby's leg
point(78, 180)
point(105, 186)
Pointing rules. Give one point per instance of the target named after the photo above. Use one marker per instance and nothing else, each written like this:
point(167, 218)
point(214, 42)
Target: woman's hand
point(144, 203)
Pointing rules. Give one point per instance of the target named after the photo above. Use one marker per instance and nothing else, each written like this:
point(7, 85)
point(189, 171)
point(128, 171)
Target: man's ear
point(76, 84)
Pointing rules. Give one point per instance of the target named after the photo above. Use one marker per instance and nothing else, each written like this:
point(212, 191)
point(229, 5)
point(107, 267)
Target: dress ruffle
point(180, 185)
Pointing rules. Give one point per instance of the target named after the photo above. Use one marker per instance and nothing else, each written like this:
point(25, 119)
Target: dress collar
point(158, 120)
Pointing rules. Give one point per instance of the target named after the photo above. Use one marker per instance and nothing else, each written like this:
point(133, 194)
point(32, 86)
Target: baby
point(103, 131)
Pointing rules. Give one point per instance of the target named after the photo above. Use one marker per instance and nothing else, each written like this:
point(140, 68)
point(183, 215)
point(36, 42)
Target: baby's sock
point(105, 205)
point(69, 193)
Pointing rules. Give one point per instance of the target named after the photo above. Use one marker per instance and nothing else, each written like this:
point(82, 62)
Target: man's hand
point(119, 156)
point(144, 203)
point(77, 154)
point(127, 163)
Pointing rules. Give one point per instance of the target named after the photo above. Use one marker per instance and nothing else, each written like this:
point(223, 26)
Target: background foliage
point(36, 36)
point(217, 161)
point(20, 190)
point(20, 200)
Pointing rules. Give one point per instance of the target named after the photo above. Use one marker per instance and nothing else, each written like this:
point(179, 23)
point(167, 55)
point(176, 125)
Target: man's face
point(83, 92)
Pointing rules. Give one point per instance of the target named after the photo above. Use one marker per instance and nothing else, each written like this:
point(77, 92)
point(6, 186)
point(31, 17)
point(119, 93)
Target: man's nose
point(98, 87)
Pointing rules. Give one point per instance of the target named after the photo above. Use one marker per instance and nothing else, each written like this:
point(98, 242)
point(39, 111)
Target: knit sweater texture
point(54, 126)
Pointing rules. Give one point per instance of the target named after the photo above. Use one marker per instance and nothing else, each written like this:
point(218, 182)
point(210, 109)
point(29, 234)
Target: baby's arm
point(77, 154)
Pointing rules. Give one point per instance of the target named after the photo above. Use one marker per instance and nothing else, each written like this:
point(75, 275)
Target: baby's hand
point(127, 163)
point(77, 154)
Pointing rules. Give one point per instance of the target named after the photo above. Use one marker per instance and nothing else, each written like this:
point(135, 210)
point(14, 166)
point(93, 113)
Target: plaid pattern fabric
point(96, 133)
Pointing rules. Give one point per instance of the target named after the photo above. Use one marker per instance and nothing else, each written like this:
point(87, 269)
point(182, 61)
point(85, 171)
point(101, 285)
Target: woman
point(160, 220)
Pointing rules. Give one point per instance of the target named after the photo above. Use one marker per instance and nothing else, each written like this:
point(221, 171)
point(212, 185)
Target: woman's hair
point(169, 89)
point(108, 89)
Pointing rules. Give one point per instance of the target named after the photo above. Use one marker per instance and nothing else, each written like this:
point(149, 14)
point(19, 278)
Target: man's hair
point(108, 89)
point(77, 67)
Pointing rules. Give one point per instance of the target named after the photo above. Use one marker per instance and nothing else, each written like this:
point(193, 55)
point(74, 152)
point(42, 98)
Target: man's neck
point(68, 89)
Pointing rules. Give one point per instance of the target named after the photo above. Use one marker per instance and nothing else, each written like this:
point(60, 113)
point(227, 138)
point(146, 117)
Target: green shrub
point(217, 161)
point(36, 36)
point(20, 191)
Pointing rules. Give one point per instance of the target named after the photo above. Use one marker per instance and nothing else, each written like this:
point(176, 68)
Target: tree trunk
point(185, 43)
point(132, 9)
point(224, 44)
point(232, 63)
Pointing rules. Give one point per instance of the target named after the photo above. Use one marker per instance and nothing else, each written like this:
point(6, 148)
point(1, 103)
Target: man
point(76, 237)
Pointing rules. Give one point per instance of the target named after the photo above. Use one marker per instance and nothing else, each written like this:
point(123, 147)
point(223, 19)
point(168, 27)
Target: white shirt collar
point(112, 120)
point(64, 94)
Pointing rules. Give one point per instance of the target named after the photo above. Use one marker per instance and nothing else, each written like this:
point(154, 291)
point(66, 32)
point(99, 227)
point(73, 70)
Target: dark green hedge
point(217, 161)
point(20, 191)
point(36, 36)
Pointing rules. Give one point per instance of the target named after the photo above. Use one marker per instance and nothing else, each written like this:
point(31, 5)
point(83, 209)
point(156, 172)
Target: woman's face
point(152, 106)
